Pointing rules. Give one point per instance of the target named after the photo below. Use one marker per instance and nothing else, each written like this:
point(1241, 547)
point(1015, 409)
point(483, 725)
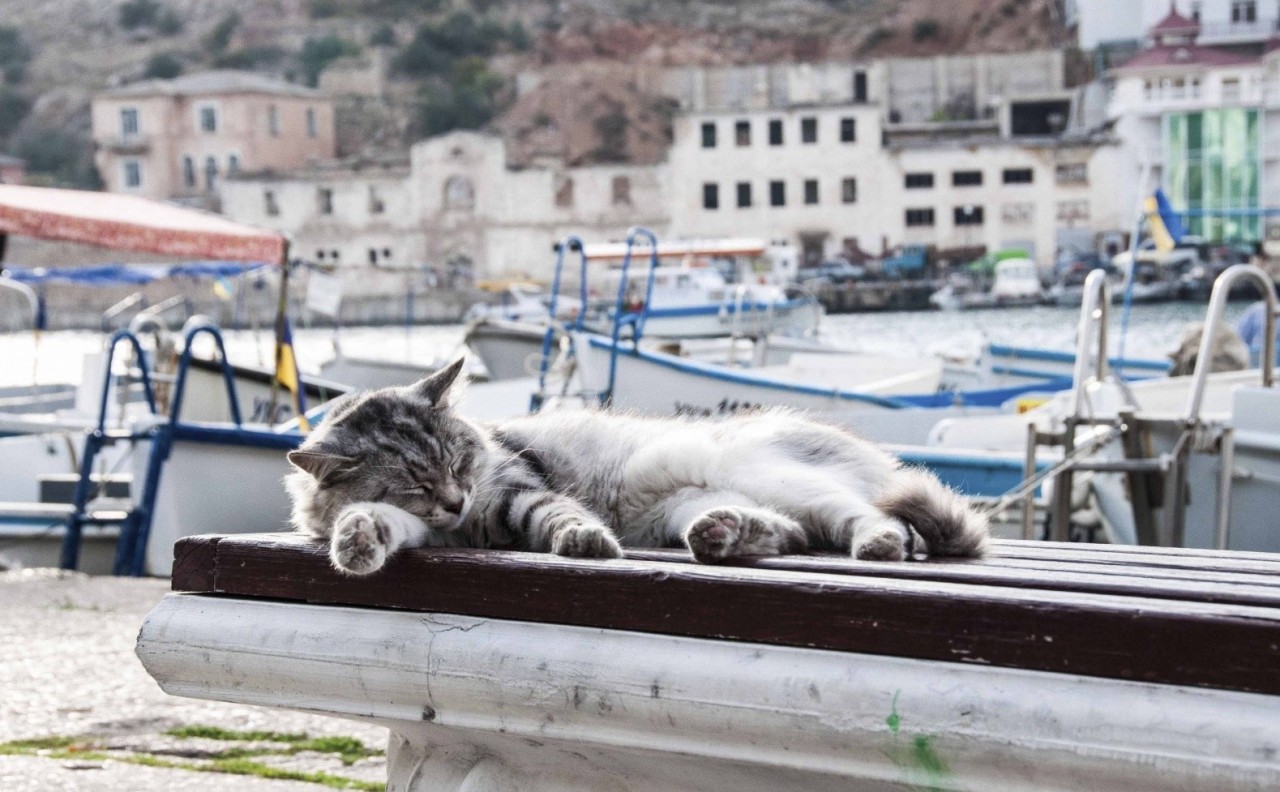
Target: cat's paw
point(714, 535)
point(583, 540)
point(885, 540)
point(359, 543)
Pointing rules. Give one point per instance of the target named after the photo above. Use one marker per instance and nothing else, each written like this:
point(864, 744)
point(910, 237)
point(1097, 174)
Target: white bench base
point(482, 704)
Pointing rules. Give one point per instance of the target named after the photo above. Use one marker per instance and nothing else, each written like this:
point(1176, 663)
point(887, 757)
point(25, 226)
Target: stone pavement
point(68, 675)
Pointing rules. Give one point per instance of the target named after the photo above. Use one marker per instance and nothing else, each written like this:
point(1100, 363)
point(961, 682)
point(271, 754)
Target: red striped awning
point(129, 222)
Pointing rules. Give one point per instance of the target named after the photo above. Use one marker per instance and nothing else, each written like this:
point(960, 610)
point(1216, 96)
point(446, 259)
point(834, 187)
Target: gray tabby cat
point(398, 467)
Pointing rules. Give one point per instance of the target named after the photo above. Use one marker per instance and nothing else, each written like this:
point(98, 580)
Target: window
point(1231, 89)
point(233, 164)
point(919, 181)
point(919, 217)
point(809, 130)
point(620, 187)
point(1070, 212)
point(376, 204)
point(1018, 213)
point(709, 134)
point(459, 194)
point(810, 191)
point(1018, 176)
point(710, 196)
point(966, 178)
point(848, 130)
point(1244, 11)
point(860, 87)
point(373, 255)
point(210, 173)
point(132, 173)
point(311, 122)
point(742, 133)
point(273, 120)
point(208, 119)
point(1195, 11)
point(324, 200)
point(849, 190)
point(188, 173)
point(744, 195)
point(775, 132)
point(777, 193)
point(1073, 173)
point(269, 201)
point(968, 215)
point(128, 121)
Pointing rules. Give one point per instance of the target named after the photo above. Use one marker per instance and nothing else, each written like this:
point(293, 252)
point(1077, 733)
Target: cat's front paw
point(580, 540)
point(886, 540)
point(359, 544)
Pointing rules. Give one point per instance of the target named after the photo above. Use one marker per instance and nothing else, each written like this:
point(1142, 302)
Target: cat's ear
point(436, 388)
point(319, 464)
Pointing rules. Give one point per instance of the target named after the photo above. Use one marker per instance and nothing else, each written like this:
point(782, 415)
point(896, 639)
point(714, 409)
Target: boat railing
point(572, 242)
point(635, 319)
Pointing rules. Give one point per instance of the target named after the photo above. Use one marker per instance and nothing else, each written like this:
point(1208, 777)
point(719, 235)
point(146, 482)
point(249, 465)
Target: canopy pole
point(282, 308)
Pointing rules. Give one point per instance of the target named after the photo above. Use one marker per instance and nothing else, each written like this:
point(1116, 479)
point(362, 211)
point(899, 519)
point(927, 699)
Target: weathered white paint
point(481, 704)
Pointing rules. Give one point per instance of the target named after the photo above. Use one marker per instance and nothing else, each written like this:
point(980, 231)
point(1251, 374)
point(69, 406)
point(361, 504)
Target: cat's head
point(402, 446)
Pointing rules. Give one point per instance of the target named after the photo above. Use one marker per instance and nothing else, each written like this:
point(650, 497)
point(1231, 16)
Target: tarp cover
point(128, 222)
point(129, 274)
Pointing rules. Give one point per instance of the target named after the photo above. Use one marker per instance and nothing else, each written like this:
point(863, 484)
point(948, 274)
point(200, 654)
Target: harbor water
point(1153, 332)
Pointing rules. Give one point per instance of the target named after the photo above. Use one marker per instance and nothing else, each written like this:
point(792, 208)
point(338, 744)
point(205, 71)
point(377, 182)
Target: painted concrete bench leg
point(481, 704)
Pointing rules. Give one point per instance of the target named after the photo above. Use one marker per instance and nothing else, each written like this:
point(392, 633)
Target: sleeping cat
point(398, 467)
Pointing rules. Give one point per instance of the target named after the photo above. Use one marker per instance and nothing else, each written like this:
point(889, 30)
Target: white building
point(1223, 22)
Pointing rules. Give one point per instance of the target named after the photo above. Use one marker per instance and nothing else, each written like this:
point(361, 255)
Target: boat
point(1003, 279)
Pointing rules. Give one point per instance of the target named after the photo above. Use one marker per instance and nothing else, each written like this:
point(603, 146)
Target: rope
point(1017, 493)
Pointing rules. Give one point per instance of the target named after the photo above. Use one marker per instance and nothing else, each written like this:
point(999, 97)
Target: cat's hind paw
point(359, 544)
point(730, 531)
point(886, 540)
point(714, 535)
point(585, 541)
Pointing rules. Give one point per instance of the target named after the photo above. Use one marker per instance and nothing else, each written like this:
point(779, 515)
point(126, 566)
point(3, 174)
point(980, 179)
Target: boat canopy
point(130, 274)
point(133, 223)
point(607, 251)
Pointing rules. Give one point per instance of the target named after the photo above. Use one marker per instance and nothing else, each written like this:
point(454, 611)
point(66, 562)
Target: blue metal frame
point(572, 241)
point(637, 319)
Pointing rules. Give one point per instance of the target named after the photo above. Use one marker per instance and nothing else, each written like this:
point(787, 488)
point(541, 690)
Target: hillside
point(455, 60)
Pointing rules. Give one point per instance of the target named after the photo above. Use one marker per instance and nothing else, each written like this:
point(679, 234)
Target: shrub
point(13, 109)
point(323, 9)
point(611, 129)
point(436, 46)
point(469, 100)
point(384, 36)
point(169, 23)
point(319, 53)
point(222, 32)
point(250, 58)
point(164, 66)
point(14, 54)
point(139, 13)
point(61, 157)
point(925, 29)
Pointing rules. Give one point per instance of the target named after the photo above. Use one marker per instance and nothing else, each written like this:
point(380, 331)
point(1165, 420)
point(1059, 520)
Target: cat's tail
point(948, 525)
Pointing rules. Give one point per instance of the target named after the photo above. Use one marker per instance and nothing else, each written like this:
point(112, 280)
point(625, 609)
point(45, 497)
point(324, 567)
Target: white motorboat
point(1012, 282)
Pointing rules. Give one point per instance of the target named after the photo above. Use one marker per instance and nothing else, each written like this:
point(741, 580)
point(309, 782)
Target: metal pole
point(1227, 458)
point(282, 309)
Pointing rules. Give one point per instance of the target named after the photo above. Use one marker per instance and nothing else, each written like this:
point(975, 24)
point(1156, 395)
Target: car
point(832, 271)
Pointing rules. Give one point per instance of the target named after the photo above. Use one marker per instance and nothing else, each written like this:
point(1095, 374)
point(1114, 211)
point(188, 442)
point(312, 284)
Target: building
point(12, 170)
point(176, 139)
point(1203, 122)
point(1102, 23)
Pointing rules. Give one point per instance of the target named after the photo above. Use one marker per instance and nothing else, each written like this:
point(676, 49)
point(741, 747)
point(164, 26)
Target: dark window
point(273, 120)
point(742, 133)
point(188, 172)
point(132, 173)
point(324, 200)
point(1018, 176)
point(744, 194)
point(966, 178)
point(775, 132)
point(860, 86)
point(968, 215)
point(919, 217)
point(808, 130)
point(1075, 173)
point(563, 187)
point(810, 191)
point(709, 135)
point(1244, 11)
point(272, 207)
point(208, 119)
point(373, 255)
point(128, 121)
point(917, 181)
point(710, 196)
point(849, 190)
point(777, 193)
point(620, 188)
point(848, 130)
point(210, 173)
point(233, 164)
point(311, 122)
point(376, 204)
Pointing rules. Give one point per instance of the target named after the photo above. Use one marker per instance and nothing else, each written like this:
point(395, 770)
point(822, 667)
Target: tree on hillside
point(318, 53)
point(468, 100)
point(139, 13)
point(222, 32)
point(13, 109)
point(163, 66)
point(14, 54)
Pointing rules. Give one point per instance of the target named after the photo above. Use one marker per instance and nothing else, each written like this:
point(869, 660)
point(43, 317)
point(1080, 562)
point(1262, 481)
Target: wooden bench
point(1046, 666)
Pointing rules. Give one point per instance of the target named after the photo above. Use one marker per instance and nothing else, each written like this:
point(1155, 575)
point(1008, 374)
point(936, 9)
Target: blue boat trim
point(225, 434)
point(714, 310)
point(1001, 350)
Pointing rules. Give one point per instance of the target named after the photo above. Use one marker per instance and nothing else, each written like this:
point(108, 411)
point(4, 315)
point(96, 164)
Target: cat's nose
point(452, 502)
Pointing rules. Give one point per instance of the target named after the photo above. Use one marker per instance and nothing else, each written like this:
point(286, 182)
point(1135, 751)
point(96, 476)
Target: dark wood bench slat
point(1135, 638)
point(1111, 554)
point(1092, 578)
point(1000, 546)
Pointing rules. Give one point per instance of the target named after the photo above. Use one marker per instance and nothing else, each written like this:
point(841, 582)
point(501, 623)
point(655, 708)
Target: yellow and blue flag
point(223, 290)
point(1164, 224)
point(287, 375)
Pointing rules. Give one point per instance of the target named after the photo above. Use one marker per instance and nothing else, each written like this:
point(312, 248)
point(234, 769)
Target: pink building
point(12, 170)
point(177, 138)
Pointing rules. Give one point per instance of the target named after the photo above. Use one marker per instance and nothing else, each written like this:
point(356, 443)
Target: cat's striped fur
point(399, 468)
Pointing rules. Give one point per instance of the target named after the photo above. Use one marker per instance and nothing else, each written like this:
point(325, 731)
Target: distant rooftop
point(1189, 55)
point(212, 82)
point(5, 159)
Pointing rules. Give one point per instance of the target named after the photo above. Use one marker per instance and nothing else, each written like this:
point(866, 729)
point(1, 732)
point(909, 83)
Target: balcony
point(1259, 30)
point(125, 144)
